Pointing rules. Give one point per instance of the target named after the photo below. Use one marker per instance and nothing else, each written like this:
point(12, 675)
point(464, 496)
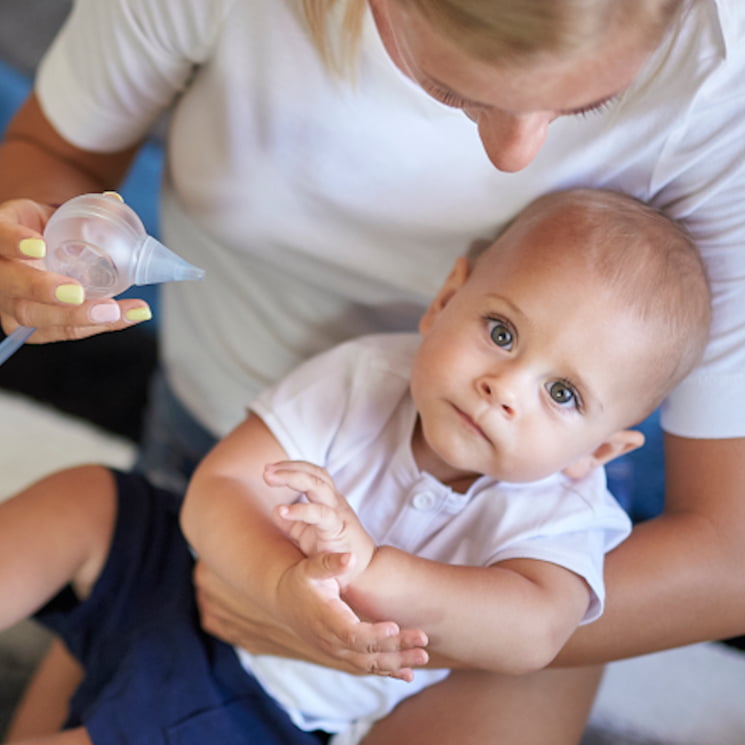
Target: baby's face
point(527, 365)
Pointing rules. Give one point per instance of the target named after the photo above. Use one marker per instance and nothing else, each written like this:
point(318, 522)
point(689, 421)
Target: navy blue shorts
point(152, 676)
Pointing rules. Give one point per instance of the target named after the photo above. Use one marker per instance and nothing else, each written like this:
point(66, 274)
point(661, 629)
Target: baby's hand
point(325, 523)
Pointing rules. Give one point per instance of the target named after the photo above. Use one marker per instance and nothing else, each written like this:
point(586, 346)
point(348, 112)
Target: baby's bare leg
point(474, 708)
point(44, 706)
point(55, 532)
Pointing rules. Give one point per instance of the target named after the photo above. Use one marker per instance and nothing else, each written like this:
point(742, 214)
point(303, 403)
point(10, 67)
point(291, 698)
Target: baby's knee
point(77, 484)
point(85, 495)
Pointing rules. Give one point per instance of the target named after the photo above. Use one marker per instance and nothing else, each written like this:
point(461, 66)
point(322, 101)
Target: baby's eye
point(501, 334)
point(562, 393)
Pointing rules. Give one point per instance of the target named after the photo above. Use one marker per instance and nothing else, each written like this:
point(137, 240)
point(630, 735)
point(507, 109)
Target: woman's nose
point(511, 141)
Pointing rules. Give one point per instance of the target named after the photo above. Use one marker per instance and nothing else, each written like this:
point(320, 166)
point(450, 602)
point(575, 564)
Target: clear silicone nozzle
point(156, 264)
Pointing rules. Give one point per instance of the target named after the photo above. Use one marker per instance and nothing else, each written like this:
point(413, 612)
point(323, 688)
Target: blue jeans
point(172, 442)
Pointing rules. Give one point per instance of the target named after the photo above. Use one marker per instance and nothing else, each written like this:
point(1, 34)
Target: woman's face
point(511, 105)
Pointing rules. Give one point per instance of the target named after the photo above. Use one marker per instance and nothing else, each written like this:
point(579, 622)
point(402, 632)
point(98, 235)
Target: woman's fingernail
point(114, 194)
point(138, 314)
point(34, 248)
point(105, 313)
point(70, 294)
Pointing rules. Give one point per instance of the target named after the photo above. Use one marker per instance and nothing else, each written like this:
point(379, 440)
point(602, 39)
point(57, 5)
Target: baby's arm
point(227, 508)
point(227, 518)
point(512, 617)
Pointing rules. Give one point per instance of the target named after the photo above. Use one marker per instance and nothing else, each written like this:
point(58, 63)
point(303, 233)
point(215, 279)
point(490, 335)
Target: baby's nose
point(498, 393)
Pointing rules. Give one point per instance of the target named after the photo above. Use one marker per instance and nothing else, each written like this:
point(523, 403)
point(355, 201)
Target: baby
point(453, 500)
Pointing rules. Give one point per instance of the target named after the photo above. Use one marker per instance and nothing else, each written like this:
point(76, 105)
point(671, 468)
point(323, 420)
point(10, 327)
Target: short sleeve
point(580, 523)
point(333, 406)
point(116, 65)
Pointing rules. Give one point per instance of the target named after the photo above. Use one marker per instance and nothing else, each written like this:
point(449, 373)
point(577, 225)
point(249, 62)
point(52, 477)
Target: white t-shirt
point(349, 410)
point(323, 209)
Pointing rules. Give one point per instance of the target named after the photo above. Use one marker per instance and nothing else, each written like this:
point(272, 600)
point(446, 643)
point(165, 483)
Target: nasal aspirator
point(101, 242)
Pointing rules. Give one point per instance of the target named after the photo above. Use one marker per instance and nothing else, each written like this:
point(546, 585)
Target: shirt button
point(424, 501)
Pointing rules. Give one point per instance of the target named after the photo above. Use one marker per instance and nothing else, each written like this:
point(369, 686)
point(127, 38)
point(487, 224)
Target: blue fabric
point(14, 88)
point(152, 676)
point(637, 480)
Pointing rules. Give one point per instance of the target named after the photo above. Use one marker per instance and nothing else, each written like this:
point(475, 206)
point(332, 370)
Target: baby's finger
point(303, 466)
point(313, 482)
point(321, 516)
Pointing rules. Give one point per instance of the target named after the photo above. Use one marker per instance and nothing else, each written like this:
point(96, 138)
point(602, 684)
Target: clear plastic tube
point(14, 341)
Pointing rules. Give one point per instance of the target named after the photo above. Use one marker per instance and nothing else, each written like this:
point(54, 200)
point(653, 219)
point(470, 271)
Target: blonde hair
point(649, 262)
point(495, 30)
point(338, 51)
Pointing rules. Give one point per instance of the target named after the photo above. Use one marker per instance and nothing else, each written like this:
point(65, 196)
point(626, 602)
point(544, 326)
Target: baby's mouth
point(471, 423)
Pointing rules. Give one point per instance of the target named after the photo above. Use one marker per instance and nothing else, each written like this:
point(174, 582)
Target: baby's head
point(644, 264)
point(538, 354)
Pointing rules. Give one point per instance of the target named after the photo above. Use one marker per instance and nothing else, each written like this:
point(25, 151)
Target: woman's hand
point(311, 622)
point(52, 303)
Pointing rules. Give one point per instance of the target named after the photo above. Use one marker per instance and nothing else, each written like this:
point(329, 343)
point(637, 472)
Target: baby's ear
point(615, 446)
point(458, 275)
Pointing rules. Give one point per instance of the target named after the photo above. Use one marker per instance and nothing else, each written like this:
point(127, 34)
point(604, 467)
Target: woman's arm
point(37, 163)
point(679, 578)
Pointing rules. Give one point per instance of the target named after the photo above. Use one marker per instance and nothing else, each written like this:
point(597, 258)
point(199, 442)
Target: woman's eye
point(501, 334)
point(446, 97)
point(597, 108)
point(562, 393)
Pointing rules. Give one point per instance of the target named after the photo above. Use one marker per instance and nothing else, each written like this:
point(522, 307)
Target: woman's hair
point(338, 49)
point(495, 30)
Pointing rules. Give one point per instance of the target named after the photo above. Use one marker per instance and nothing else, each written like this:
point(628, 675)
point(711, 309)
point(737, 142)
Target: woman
point(321, 169)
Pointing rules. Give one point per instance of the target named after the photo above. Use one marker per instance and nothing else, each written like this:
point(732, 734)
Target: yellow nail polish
point(34, 248)
point(114, 194)
point(70, 294)
point(138, 314)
